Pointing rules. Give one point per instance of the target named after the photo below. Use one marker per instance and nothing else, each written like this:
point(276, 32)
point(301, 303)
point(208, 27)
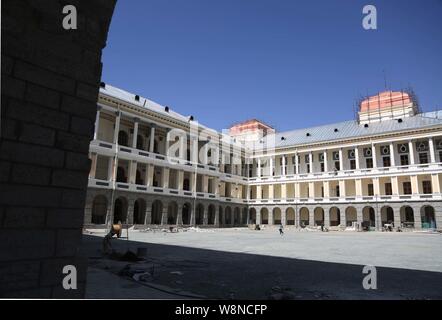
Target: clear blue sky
point(292, 64)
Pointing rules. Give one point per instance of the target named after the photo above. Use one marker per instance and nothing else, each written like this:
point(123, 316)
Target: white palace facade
point(152, 167)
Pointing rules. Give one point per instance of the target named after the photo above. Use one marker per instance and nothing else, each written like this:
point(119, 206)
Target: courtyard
point(239, 263)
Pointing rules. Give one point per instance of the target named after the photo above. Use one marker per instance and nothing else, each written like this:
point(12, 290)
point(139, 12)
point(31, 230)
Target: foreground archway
point(387, 215)
point(264, 216)
point(276, 216)
point(185, 213)
point(319, 216)
point(157, 212)
point(304, 217)
point(172, 213)
point(407, 217)
point(368, 217)
point(252, 216)
point(351, 216)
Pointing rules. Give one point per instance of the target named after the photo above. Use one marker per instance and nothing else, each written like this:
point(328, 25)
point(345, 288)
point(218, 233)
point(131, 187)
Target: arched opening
point(120, 210)
point(123, 138)
point(199, 214)
point(318, 216)
point(387, 215)
point(290, 216)
point(335, 216)
point(228, 216)
point(407, 217)
point(368, 218)
point(252, 216)
point(157, 212)
point(172, 213)
point(221, 216)
point(264, 216)
point(139, 211)
point(276, 216)
point(244, 216)
point(303, 217)
point(428, 217)
point(99, 210)
point(140, 142)
point(185, 212)
point(121, 175)
point(211, 214)
point(236, 216)
point(351, 216)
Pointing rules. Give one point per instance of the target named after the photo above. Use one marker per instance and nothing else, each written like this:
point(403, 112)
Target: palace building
point(154, 167)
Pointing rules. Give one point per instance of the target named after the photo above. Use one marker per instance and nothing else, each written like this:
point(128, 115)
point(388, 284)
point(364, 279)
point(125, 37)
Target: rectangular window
point(338, 193)
point(440, 156)
point(322, 167)
point(423, 157)
point(388, 189)
point(370, 189)
point(407, 187)
point(369, 163)
point(353, 164)
point(426, 187)
point(404, 160)
point(337, 165)
point(308, 168)
point(386, 161)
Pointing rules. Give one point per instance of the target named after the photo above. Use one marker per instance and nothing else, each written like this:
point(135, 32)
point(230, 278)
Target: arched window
point(99, 210)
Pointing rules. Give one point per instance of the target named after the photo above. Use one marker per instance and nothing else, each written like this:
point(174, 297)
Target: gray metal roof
point(351, 129)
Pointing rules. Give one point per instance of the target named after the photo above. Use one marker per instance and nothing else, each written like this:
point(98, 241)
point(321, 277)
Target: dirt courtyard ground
point(240, 263)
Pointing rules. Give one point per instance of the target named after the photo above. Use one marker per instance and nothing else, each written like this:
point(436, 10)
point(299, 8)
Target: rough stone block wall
point(49, 90)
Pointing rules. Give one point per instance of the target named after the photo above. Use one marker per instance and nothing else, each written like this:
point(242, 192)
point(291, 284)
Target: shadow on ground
point(181, 272)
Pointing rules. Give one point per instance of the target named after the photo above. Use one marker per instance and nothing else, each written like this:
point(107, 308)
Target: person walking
point(281, 231)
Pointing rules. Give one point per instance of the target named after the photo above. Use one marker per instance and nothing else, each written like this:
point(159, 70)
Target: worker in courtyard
point(281, 231)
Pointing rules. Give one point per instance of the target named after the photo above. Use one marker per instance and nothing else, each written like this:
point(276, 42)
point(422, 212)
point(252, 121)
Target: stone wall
point(50, 81)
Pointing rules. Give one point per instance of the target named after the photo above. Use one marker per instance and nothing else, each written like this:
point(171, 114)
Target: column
point(206, 215)
point(148, 216)
point(342, 192)
point(111, 169)
point(327, 218)
point(284, 216)
point(392, 156)
point(132, 171)
point(435, 186)
point(297, 188)
point(166, 172)
point(135, 135)
point(431, 147)
point(311, 189)
point(414, 185)
point(283, 191)
point(97, 123)
point(411, 151)
point(216, 216)
point(358, 187)
point(205, 183)
point(180, 178)
point(296, 163)
point(359, 217)
point(271, 167)
point(130, 212)
point(396, 217)
point(258, 192)
point(341, 160)
point(373, 152)
point(93, 170)
point(376, 189)
point(326, 186)
point(152, 138)
point(310, 161)
point(417, 218)
point(311, 217)
point(179, 219)
point(394, 186)
point(117, 126)
point(271, 191)
point(164, 215)
point(343, 222)
point(357, 160)
point(149, 173)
